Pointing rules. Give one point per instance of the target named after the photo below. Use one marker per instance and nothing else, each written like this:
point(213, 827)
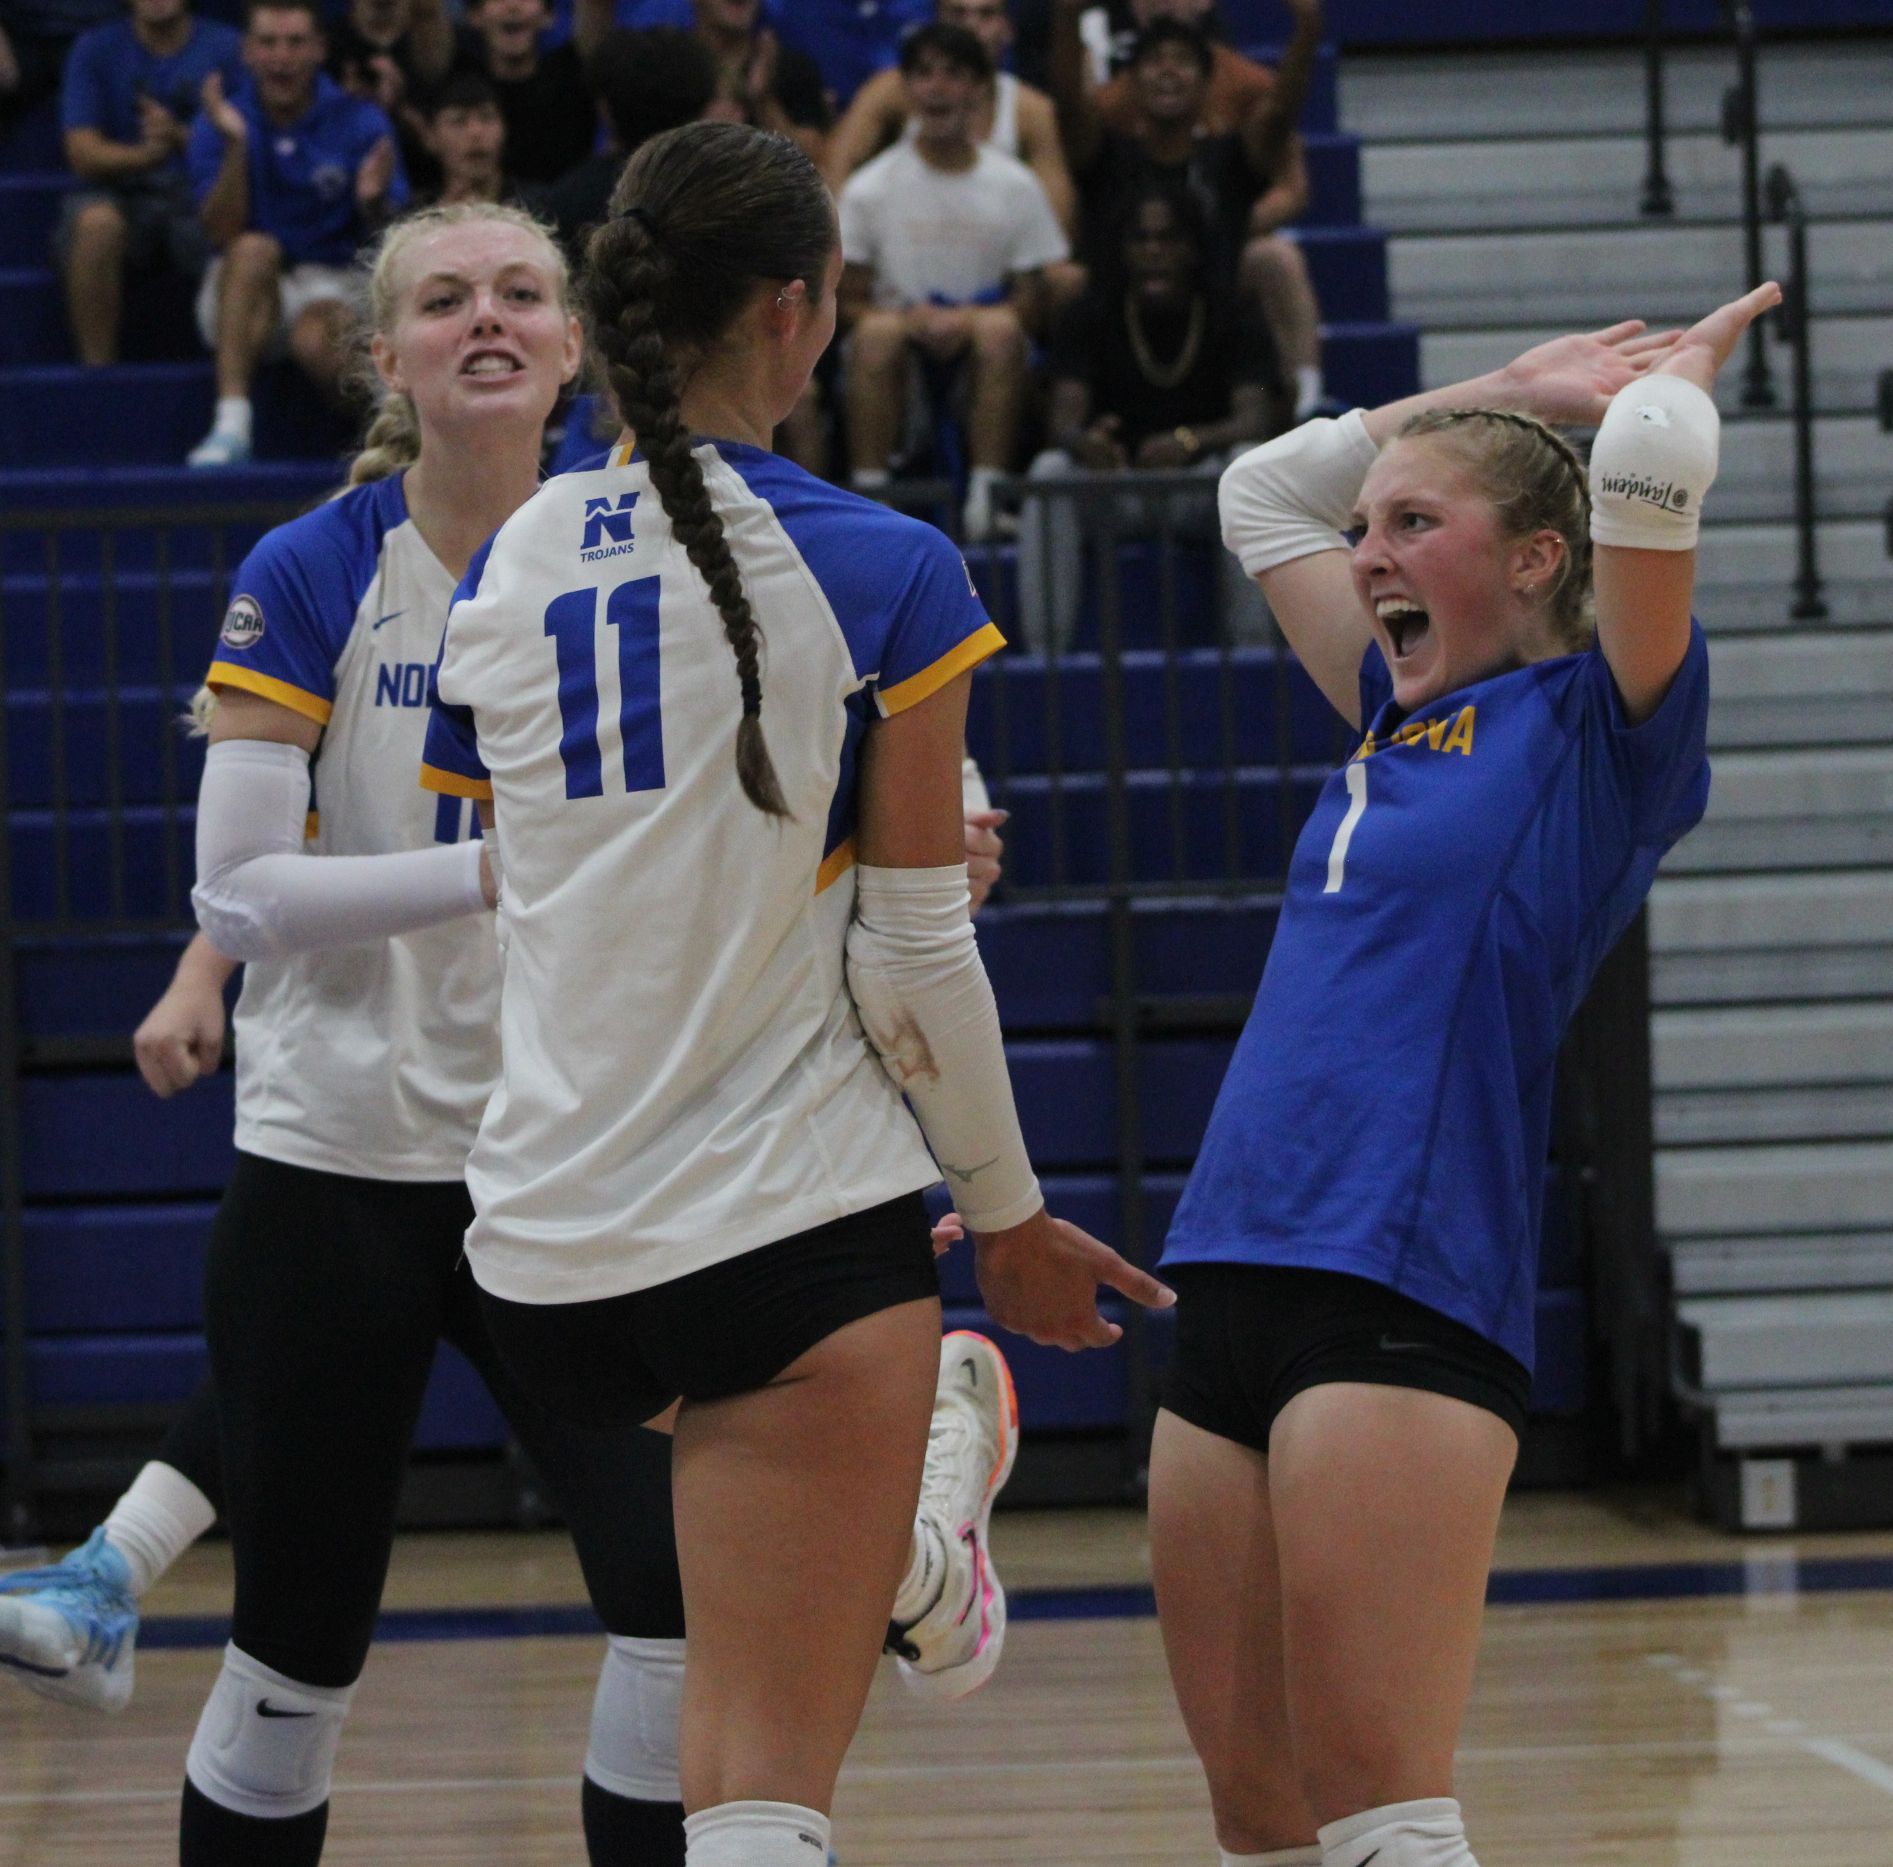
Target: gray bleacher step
point(1853, 468)
point(1755, 1419)
point(1774, 1047)
point(1849, 352)
point(1462, 281)
point(1812, 664)
point(1804, 1339)
point(1815, 720)
point(1773, 911)
point(1784, 1261)
point(1849, 552)
point(1454, 185)
point(1784, 843)
point(1841, 782)
point(1766, 606)
point(1727, 1117)
point(1807, 973)
point(1550, 93)
point(1818, 1186)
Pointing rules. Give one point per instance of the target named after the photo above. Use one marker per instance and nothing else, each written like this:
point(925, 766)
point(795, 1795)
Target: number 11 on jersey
point(1356, 776)
point(571, 622)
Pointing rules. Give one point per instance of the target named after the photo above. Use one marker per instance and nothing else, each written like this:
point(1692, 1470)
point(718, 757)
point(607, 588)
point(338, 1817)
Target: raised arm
point(1279, 113)
point(430, 39)
point(867, 126)
point(1042, 151)
point(1662, 433)
point(1287, 505)
point(1079, 124)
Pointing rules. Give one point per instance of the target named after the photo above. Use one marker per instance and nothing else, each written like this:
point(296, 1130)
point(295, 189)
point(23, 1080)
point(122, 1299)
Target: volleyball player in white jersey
point(697, 1178)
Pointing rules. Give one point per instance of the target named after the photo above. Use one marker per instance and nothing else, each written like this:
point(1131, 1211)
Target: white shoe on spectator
point(228, 442)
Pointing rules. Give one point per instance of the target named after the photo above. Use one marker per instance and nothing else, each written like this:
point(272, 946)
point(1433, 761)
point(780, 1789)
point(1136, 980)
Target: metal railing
point(1795, 325)
point(1658, 197)
point(107, 617)
point(1742, 129)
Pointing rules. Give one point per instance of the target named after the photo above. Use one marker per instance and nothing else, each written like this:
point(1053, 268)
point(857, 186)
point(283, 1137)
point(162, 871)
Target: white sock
point(233, 417)
point(925, 1580)
point(756, 1834)
point(156, 1521)
point(1308, 389)
point(870, 479)
point(1403, 1834)
point(1280, 1857)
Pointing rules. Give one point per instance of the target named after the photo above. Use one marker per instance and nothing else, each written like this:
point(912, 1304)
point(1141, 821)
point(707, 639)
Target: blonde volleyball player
point(1355, 1252)
point(730, 952)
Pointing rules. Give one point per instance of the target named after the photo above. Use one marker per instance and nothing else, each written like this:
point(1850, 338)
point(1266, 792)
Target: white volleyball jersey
point(685, 1076)
point(373, 1060)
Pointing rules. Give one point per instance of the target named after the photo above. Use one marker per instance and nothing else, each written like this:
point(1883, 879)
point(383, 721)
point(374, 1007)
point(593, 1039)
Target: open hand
point(160, 134)
point(376, 174)
point(948, 1233)
point(1099, 449)
point(1041, 1279)
point(1570, 380)
point(1699, 352)
point(226, 119)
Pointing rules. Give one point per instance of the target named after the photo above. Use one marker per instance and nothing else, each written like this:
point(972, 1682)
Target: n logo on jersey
point(605, 521)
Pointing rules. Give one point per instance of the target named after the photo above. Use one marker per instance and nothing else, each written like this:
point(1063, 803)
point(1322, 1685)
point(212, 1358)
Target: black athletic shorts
point(726, 1329)
point(1250, 1337)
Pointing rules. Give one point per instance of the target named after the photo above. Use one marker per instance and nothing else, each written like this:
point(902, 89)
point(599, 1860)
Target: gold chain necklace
point(1164, 375)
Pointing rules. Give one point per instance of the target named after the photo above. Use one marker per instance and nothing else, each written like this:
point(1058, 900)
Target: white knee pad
point(635, 1714)
point(265, 1745)
point(1402, 1834)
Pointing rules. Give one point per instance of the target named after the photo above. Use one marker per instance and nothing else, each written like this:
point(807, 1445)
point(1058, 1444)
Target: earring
point(782, 299)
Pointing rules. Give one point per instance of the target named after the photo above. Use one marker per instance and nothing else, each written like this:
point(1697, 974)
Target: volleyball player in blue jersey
point(1355, 1252)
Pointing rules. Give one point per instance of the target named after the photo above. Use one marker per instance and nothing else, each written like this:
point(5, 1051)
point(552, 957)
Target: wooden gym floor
point(1651, 1694)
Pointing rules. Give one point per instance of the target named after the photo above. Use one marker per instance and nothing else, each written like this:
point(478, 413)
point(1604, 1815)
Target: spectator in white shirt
point(945, 240)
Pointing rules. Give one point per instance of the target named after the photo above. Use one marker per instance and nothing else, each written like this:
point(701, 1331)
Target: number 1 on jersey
point(1356, 776)
point(571, 622)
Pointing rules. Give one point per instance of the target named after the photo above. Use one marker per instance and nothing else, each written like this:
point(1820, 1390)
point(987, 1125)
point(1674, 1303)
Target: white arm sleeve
point(928, 1009)
point(1294, 495)
point(259, 895)
point(973, 793)
point(1654, 458)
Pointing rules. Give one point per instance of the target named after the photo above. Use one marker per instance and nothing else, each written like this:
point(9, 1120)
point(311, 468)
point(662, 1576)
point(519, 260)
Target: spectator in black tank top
point(1170, 69)
point(1153, 369)
point(544, 96)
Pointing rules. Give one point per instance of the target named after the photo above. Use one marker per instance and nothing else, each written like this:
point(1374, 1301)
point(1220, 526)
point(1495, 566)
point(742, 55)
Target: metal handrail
point(1795, 327)
point(1741, 127)
point(1657, 195)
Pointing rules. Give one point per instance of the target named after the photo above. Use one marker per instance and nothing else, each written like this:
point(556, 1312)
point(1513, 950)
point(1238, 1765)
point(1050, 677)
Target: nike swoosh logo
point(389, 617)
point(1372, 1857)
point(264, 1709)
point(38, 1672)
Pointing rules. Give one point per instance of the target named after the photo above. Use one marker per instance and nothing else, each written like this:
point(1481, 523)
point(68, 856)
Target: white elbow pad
point(1653, 460)
point(254, 801)
point(1295, 495)
point(927, 1008)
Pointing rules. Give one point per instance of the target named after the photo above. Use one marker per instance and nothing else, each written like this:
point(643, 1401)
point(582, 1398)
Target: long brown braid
point(700, 218)
point(1535, 479)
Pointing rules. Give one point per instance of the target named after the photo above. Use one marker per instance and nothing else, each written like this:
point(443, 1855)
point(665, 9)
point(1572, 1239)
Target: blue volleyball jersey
point(1388, 1109)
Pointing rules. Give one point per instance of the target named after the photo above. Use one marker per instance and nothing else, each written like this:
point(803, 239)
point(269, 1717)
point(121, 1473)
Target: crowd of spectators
point(1093, 273)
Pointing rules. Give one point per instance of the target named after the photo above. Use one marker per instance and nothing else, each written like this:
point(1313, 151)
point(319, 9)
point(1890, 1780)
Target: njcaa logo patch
point(607, 529)
point(242, 623)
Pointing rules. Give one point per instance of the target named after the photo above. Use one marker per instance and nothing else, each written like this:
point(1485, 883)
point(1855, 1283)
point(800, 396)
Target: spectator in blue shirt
point(131, 89)
point(292, 174)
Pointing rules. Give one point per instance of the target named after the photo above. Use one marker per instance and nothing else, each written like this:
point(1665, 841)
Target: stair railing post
point(1657, 196)
point(1796, 326)
point(1741, 126)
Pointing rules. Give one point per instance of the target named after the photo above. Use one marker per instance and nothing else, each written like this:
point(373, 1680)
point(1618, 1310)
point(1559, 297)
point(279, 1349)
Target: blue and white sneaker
point(68, 1630)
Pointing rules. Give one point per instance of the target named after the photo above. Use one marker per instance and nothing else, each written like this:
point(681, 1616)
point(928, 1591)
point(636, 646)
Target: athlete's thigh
point(323, 1300)
point(611, 1485)
point(795, 1507)
point(1219, 1601)
point(1385, 1504)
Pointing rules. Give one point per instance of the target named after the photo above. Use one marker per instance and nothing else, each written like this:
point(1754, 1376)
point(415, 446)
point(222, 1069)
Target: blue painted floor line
point(1755, 1575)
